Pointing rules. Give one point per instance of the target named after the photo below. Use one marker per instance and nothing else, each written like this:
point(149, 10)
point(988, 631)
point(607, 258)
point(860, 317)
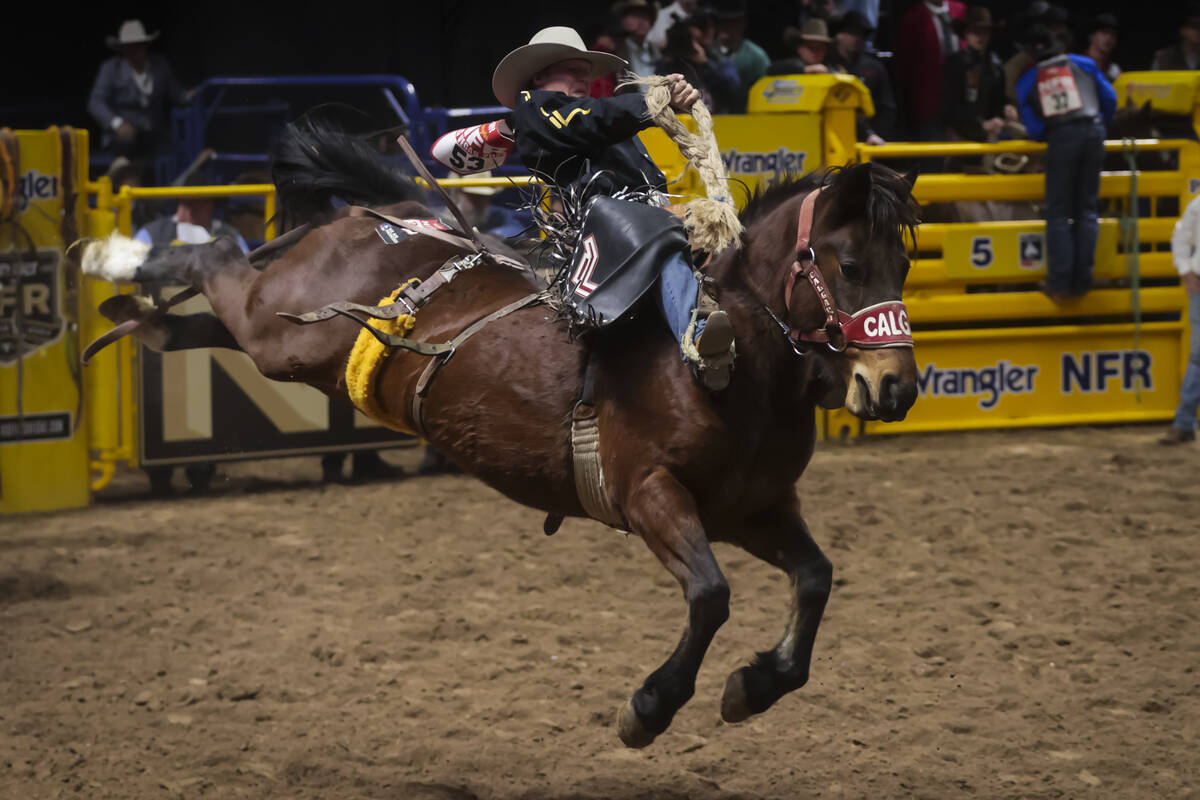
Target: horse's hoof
point(733, 702)
point(121, 307)
point(630, 728)
point(74, 253)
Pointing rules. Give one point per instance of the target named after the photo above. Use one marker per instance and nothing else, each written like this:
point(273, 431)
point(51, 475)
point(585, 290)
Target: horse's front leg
point(781, 538)
point(664, 514)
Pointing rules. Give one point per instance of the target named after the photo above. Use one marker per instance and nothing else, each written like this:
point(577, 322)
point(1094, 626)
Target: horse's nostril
point(895, 396)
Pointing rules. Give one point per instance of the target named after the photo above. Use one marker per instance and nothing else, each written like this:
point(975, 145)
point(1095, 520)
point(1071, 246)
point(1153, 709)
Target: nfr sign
point(30, 313)
point(1093, 372)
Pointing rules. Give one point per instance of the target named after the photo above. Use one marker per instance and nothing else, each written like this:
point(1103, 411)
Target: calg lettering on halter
point(887, 323)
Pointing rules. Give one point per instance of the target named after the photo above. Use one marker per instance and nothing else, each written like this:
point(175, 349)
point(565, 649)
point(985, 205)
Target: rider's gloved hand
point(683, 94)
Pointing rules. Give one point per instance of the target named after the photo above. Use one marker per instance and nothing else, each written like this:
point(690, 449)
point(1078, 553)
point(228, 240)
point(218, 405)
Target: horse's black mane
point(889, 205)
point(315, 161)
point(768, 195)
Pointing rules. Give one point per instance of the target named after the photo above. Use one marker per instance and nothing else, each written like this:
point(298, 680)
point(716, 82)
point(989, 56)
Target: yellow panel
point(809, 94)
point(1006, 250)
point(1173, 92)
point(755, 149)
point(1062, 375)
point(44, 462)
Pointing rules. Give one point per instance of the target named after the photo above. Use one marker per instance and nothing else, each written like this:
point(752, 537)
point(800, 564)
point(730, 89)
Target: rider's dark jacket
point(570, 141)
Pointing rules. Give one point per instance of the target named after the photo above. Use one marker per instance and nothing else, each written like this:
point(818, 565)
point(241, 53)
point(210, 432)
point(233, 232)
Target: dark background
point(448, 49)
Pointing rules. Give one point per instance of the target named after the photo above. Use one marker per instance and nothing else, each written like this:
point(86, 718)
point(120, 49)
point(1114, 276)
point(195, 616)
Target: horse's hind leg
point(664, 514)
point(782, 539)
point(167, 332)
point(243, 299)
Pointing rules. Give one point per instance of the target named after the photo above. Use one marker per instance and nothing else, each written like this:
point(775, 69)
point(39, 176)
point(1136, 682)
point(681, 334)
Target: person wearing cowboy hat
point(810, 44)
point(637, 18)
point(1101, 42)
point(133, 93)
point(485, 216)
point(1185, 54)
point(1065, 100)
point(588, 149)
point(849, 56)
point(973, 101)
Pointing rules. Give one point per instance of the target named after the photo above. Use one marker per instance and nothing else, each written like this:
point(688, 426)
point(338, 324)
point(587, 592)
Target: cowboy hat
point(852, 21)
point(548, 46)
point(132, 31)
point(977, 18)
point(814, 30)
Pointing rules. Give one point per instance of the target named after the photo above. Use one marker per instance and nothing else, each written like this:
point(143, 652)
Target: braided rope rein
point(712, 222)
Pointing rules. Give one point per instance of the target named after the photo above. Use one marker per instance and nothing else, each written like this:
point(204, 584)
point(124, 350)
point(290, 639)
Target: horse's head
point(831, 273)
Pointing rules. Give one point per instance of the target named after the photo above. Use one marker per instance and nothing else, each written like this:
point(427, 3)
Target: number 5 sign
point(981, 252)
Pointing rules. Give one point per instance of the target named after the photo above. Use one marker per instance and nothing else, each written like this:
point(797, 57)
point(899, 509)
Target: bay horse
point(684, 467)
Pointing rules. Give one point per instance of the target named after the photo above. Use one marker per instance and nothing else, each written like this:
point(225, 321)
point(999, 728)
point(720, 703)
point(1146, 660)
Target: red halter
point(880, 325)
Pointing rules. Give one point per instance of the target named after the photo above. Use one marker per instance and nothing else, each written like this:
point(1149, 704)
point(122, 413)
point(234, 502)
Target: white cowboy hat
point(548, 46)
point(132, 32)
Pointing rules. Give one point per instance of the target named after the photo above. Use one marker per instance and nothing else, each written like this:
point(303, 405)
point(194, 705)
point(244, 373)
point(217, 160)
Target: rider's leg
point(677, 297)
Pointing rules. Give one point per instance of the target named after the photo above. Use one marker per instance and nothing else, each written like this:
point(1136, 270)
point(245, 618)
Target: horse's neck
point(765, 359)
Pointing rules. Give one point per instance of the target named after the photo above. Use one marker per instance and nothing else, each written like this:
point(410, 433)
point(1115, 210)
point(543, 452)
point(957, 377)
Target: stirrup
point(712, 355)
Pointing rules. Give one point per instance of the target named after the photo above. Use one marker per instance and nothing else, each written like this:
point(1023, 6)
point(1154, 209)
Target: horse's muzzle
point(884, 384)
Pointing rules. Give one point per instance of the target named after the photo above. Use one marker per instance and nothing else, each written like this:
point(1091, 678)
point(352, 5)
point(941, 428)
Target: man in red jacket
point(926, 38)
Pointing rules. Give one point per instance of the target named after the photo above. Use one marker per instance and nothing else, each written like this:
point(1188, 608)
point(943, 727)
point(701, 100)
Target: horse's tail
point(313, 162)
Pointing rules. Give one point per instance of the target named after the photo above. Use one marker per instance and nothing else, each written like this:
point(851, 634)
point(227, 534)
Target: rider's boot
point(714, 346)
point(710, 353)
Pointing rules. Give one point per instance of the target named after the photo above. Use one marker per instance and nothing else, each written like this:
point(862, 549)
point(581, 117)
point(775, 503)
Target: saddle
point(620, 252)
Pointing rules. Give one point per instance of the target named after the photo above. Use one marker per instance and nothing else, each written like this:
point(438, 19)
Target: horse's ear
point(852, 188)
point(910, 177)
point(1147, 110)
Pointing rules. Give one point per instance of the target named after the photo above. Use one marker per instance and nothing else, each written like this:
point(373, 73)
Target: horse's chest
point(769, 463)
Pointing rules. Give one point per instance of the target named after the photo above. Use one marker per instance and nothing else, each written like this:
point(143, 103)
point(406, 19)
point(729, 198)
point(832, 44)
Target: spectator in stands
point(132, 95)
point(926, 39)
point(767, 20)
point(822, 9)
point(868, 8)
point(637, 18)
point(810, 45)
point(1021, 61)
point(1066, 101)
point(750, 60)
point(476, 204)
point(1186, 53)
point(1101, 42)
point(1058, 21)
point(677, 12)
point(1184, 250)
point(714, 78)
point(605, 41)
point(849, 55)
point(973, 103)
point(192, 223)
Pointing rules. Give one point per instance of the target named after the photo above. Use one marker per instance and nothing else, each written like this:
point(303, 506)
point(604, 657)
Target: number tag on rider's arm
point(1057, 91)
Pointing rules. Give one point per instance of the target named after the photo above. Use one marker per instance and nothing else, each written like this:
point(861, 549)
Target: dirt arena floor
point(1016, 615)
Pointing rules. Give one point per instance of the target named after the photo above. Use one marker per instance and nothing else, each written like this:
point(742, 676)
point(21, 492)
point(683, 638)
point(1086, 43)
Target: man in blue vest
point(1065, 100)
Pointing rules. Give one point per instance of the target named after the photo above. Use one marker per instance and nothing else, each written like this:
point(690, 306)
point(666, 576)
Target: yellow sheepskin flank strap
point(368, 357)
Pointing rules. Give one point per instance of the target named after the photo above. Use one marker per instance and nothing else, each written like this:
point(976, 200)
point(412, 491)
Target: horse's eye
point(853, 272)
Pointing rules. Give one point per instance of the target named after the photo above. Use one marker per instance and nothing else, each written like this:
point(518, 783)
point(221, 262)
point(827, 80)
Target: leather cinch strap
point(447, 352)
